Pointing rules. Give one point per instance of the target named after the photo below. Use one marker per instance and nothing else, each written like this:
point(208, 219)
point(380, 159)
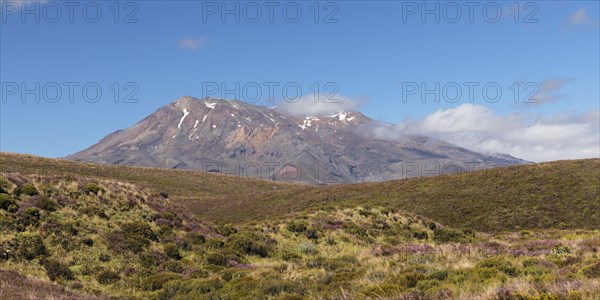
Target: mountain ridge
point(231, 136)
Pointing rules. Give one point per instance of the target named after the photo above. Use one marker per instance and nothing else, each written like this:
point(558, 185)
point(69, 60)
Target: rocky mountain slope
point(242, 139)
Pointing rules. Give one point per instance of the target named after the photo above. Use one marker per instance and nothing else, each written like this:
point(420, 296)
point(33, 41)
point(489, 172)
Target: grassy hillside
point(72, 236)
point(561, 195)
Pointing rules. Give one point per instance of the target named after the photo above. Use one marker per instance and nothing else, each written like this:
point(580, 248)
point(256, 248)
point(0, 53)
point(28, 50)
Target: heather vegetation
point(87, 237)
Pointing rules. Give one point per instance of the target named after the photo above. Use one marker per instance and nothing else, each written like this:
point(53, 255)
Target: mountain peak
point(235, 137)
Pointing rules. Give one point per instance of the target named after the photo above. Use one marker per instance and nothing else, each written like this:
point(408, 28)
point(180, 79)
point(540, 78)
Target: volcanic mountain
point(243, 139)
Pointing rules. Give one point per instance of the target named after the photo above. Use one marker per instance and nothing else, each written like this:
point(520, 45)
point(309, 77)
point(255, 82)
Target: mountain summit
point(239, 138)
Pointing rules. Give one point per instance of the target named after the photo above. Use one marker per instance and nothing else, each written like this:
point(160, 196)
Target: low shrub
point(156, 281)
point(47, 204)
point(172, 251)
point(248, 245)
point(108, 277)
point(447, 235)
point(30, 246)
point(223, 258)
point(498, 263)
point(29, 189)
point(93, 188)
point(225, 229)
point(297, 226)
point(8, 203)
point(31, 217)
point(55, 269)
point(420, 235)
point(87, 241)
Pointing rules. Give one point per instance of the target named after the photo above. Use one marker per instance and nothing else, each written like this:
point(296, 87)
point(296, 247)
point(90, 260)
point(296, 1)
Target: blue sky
point(371, 52)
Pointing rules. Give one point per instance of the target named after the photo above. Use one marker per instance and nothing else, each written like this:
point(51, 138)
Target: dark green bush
point(215, 243)
point(192, 238)
point(139, 228)
point(108, 277)
point(172, 251)
point(46, 204)
point(225, 229)
point(6, 202)
point(356, 230)
point(29, 189)
point(156, 281)
point(297, 226)
point(312, 233)
point(498, 263)
point(55, 269)
point(93, 188)
point(230, 274)
point(420, 235)
point(274, 287)
point(447, 235)
point(87, 241)
point(409, 280)
point(31, 216)
point(248, 245)
point(120, 242)
point(223, 258)
point(30, 246)
point(432, 225)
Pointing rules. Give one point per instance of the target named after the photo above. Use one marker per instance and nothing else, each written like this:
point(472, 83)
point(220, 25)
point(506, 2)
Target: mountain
point(243, 139)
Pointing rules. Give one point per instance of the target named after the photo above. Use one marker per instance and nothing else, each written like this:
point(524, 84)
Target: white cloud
point(191, 43)
point(579, 17)
point(476, 127)
point(319, 105)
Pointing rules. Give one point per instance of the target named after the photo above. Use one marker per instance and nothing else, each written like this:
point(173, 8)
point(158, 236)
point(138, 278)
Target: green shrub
point(221, 258)
point(248, 245)
point(172, 251)
point(30, 246)
point(6, 202)
point(139, 228)
point(93, 188)
point(31, 216)
point(274, 287)
point(498, 263)
point(225, 229)
point(356, 230)
point(420, 235)
point(312, 233)
point(55, 269)
point(215, 243)
point(121, 243)
point(297, 226)
point(447, 235)
point(87, 241)
point(431, 226)
point(108, 277)
point(409, 280)
point(46, 204)
point(156, 281)
point(230, 274)
point(29, 189)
